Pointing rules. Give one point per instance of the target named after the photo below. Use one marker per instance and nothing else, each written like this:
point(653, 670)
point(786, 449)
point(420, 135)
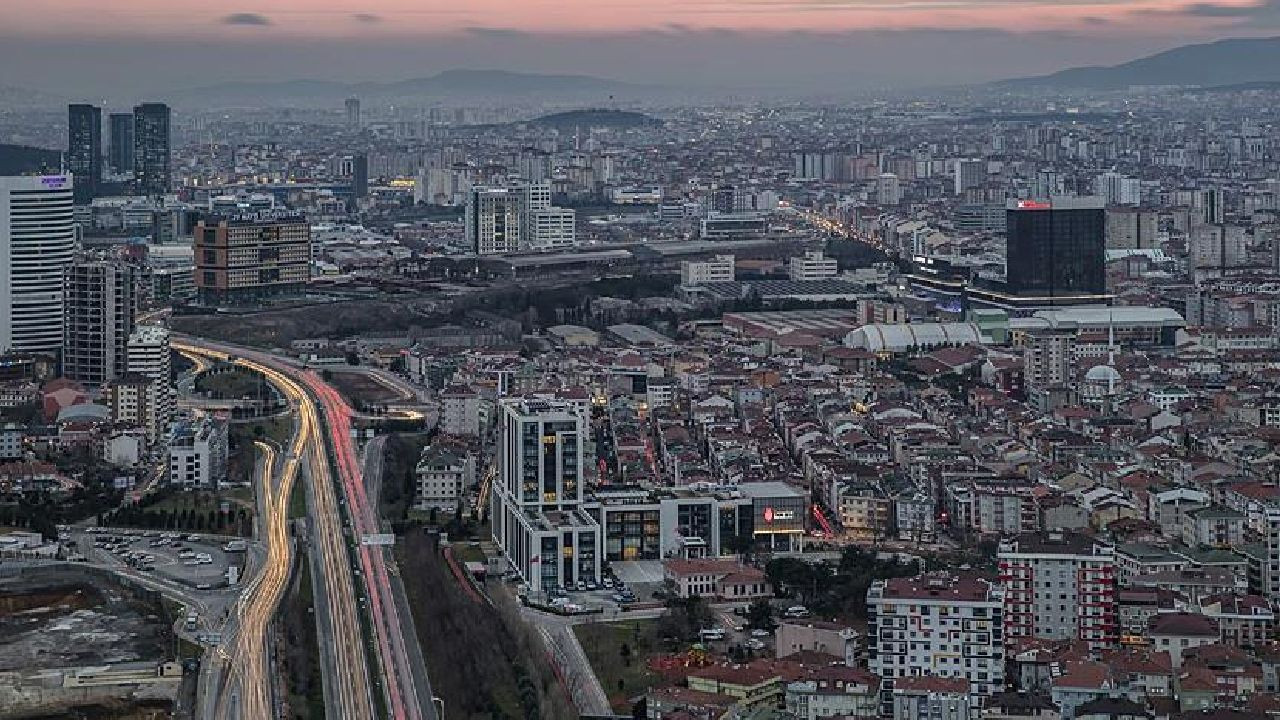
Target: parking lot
point(197, 561)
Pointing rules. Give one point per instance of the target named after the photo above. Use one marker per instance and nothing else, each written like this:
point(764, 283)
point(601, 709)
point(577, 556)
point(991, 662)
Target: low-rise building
point(716, 577)
point(442, 477)
point(198, 452)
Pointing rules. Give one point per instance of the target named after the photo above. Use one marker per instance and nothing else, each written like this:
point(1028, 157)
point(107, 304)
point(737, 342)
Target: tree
point(760, 616)
point(625, 652)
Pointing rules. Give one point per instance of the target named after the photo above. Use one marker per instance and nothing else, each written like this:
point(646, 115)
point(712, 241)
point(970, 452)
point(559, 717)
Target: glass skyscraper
point(151, 156)
point(1056, 247)
point(84, 150)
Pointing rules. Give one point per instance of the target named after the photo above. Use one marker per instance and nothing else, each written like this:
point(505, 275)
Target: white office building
point(536, 503)
point(37, 241)
point(813, 265)
point(700, 272)
point(517, 218)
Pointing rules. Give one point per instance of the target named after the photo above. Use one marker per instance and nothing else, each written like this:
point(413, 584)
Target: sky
point(140, 46)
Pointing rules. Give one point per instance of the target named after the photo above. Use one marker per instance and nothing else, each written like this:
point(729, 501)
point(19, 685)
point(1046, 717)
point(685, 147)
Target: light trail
point(351, 688)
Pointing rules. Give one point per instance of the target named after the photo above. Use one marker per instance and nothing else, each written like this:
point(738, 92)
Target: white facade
point(537, 495)
point(517, 218)
point(198, 453)
point(813, 265)
point(969, 174)
point(553, 228)
point(10, 443)
point(461, 412)
point(441, 478)
point(37, 242)
point(699, 272)
point(938, 625)
point(150, 357)
point(888, 190)
point(1118, 189)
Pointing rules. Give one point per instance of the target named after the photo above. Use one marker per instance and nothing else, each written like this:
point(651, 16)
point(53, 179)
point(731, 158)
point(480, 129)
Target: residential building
point(198, 452)
point(245, 258)
point(830, 638)
point(834, 691)
point(1059, 585)
point(149, 356)
point(132, 401)
point(37, 243)
point(1131, 228)
point(101, 304)
point(463, 411)
point(1047, 358)
point(84, 150)
point(932, 698)
point(1176, 632)
point(964, 616)
point(442, 477)
point(152, 163)
point(1213, 526)
point(538, 493)
point(969, 173)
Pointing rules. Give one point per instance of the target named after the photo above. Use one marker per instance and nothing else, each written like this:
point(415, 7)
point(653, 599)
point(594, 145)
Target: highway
point(351, 694)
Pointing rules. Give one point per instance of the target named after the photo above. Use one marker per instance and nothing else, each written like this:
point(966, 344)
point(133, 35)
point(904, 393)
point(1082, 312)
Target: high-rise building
point(940, 625)
point(1131, 228)
point(888, 190)
point(149, 357)
point(724, 199)
point(152, 170)
point(1209, 206)
point(969, 173)
point(517, 218)
point(102, 302)
point(1056, 248)
point(1059, 586)
point(536, 501)
point(360, 176)
point(1047, 358)
point(245, 258)
point(37, 242)
point(353, 113)
point(84, 150)
point(1116, 189)
point(120, 153)
point(1219, 246)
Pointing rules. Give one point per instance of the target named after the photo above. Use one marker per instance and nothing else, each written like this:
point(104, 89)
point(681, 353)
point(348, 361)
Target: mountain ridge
point(1231, 61)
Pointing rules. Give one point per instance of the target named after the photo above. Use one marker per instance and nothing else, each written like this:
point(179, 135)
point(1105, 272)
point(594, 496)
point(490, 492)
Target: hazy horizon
point(86, 50)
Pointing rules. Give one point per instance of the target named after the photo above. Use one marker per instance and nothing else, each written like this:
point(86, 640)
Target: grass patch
point(622, 674)
point(234, 383)
point(301, 649)
point(297, 500)
point(483, 660)
point(468, 552)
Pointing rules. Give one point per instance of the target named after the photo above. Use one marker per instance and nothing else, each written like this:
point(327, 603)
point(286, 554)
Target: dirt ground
point(58, 616)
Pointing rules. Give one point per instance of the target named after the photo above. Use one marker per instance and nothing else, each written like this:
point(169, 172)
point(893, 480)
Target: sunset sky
point(150, 44)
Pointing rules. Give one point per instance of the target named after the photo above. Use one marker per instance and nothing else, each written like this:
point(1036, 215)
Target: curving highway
point(350, 690)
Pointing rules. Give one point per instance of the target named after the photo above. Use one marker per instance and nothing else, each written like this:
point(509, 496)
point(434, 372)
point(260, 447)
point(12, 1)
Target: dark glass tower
point(1056, 248)
point(151, 160)
point(84, 150)
point(121, 153)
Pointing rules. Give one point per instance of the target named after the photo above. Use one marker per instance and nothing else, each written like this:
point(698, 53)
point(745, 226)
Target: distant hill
point(25, 160)
point(1225, 62)
point(450, 84)
point(597, 118)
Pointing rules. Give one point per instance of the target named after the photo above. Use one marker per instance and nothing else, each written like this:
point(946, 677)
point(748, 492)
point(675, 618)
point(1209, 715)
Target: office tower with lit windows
point(536, 503)
point(245, 258)
point(37, 242)
point(101, 302)
point(152, 162)
point(84, 150)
